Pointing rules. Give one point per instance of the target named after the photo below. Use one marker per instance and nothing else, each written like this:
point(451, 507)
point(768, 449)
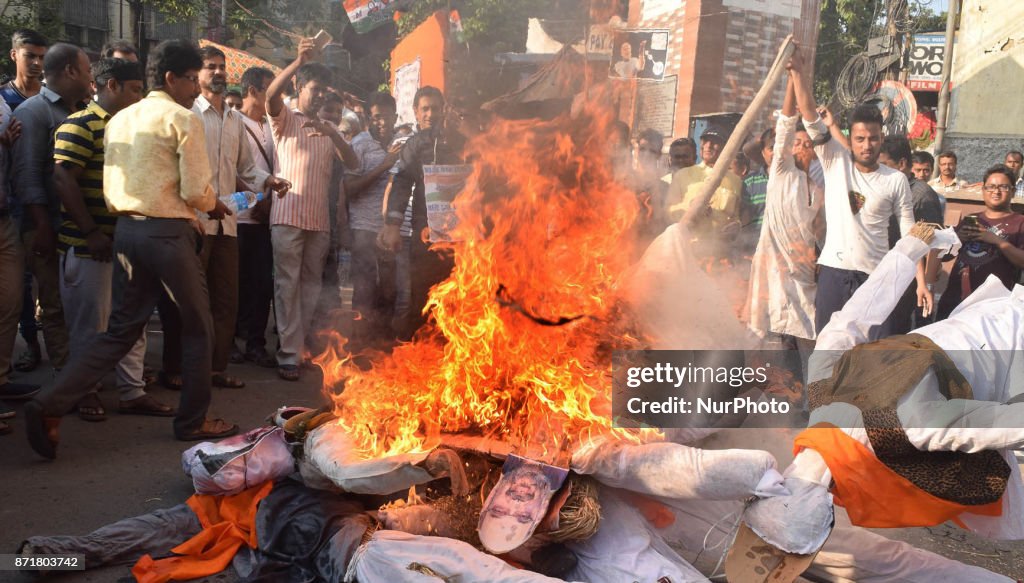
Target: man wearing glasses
point(993, 242)
point(156, 175)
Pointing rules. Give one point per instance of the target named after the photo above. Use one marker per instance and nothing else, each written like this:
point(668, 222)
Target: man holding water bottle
point(234, 170)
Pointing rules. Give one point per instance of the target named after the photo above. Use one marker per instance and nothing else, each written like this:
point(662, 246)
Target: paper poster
point(441, 184)
point(786, 8)
point(639, 54)
point(407, 82)
point(366, 15)
point(656, 105)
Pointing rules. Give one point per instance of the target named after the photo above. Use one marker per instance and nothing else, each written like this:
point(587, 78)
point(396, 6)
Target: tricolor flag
point(366, 15)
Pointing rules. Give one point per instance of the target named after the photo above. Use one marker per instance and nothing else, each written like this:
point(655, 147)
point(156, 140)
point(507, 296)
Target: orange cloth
point(228, 523)
point(875, 496)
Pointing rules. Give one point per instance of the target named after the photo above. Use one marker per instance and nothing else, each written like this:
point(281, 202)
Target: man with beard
point(860, 196)
point(233, 170)
point(300, 223)
point(373, 270)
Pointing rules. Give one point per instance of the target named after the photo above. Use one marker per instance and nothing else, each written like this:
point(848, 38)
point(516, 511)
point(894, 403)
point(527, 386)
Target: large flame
point(519, 345)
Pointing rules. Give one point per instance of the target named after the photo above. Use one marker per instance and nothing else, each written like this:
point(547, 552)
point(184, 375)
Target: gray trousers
point(151, 255)
point(12, 266)
point(85, 291)
point(299, 257)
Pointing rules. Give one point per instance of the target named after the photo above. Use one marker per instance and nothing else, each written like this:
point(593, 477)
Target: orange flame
point(520, 340)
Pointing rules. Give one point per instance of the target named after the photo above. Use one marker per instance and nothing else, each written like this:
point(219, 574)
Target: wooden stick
point(740, 133)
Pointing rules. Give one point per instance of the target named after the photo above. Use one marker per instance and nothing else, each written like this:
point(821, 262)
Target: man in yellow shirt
point(156, 175)
point(723, 208)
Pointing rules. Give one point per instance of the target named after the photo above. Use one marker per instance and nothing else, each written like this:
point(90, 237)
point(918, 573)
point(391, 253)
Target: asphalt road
point(130, 465)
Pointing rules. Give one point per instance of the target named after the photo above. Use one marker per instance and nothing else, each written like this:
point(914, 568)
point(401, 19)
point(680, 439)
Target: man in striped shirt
point(85, 239)
point(300, 222)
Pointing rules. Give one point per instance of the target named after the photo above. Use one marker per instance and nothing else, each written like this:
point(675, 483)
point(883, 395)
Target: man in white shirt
point(860, 196)
point(255, 252)
point(233, 169)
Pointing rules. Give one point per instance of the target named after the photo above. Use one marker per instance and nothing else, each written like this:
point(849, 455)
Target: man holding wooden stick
point(860, 197)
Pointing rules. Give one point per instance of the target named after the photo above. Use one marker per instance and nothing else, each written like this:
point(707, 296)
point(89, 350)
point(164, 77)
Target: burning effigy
point(485, 450)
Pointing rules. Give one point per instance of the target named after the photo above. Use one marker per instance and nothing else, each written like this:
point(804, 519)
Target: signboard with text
point(926, 62)
point(407, 82)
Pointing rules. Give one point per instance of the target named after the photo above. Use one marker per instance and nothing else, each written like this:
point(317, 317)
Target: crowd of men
point(116, 204)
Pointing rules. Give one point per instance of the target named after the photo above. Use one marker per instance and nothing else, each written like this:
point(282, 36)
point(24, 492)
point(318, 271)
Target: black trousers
point(151, 256)
point(427, 268)
point(255, 284)
point(373, 291)
point(835, 288)
point(219, 262)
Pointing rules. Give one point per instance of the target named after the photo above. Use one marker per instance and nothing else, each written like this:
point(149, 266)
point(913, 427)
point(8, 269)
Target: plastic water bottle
point(239, 201)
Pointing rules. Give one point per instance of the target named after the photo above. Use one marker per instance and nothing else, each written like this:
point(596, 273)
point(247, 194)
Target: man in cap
point(724, 206)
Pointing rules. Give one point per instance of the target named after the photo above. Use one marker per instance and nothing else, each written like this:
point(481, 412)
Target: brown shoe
point(43, 432)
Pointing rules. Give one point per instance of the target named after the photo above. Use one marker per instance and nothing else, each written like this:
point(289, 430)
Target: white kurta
point(984, 337)
point(781, 296)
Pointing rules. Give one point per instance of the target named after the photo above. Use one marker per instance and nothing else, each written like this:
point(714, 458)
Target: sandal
point(43, 432)
point(90, 408)
point(288, 372)
point(210, 429)
point(146, 405)
point(149, 376)
point(29, 360)
point(226, 381)
point(169, 381)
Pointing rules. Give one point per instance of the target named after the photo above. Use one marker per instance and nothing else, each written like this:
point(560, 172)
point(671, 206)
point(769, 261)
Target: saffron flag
point(238, 61)
point(366, 15)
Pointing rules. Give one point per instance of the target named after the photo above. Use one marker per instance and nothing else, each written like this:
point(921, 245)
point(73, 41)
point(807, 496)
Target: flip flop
point(43, 433)
point(226, 381)
point(146, 405)
point(90, 408)
point(210, 429)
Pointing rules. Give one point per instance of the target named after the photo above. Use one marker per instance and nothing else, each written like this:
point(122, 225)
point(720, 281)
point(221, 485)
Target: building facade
point(985, 118)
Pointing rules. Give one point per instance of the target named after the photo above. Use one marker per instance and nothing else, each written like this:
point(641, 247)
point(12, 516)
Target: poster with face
point(517, 503)
point(639, 54)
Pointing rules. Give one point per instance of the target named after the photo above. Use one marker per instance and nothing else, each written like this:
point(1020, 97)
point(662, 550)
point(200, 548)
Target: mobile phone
point(322, 39)
point(970, 221)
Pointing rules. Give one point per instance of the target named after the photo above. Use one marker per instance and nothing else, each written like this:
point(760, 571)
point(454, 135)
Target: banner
point(441, 184)
point(639, 54)
point(407, 82)
point(366, 15)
